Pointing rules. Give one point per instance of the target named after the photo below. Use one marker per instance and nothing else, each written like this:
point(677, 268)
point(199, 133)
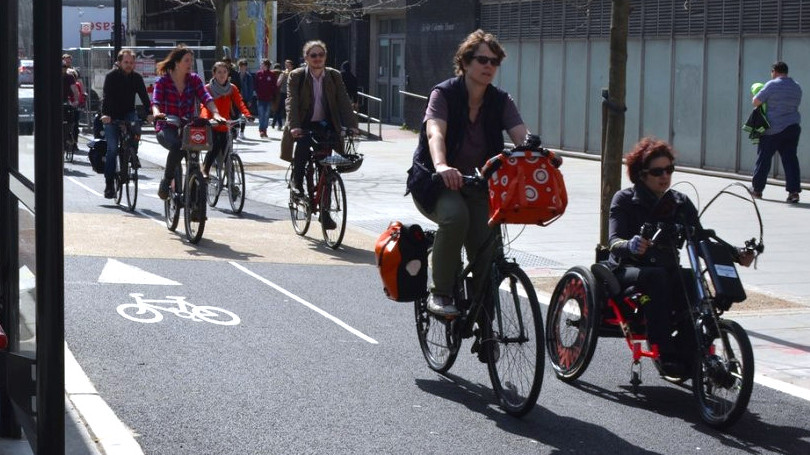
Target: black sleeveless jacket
point(425, 191)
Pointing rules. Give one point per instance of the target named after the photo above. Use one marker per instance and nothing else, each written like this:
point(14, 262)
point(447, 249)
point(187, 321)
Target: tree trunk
point(617, 88)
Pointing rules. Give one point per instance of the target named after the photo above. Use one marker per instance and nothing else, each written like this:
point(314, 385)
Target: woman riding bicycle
point(178, 92)
point(462, 128)
point(225, 96)
point(636, 260)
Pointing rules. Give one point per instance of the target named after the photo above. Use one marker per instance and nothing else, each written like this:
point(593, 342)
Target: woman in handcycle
point(462, 128)
point(651, 266)
point(225, 96)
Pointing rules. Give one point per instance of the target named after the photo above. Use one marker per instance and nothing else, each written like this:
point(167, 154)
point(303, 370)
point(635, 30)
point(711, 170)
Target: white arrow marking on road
point(118, 272)
point(306, 304)
point(27, 279)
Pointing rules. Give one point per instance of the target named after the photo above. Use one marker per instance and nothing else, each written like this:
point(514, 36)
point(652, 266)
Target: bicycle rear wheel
point(723, 380)
point(171, 206)
point(300, 212)
point(333, 210)
point(514, 343)
point(132, 188)
point(194, 206)
point(214, 182)
point(236, 184)
point(439, 345)
point(67, 140)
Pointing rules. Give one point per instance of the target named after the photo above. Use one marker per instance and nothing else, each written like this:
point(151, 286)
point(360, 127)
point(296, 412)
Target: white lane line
point(306, 304)
point(159, 221)
point(782, 386)
point(111, 434)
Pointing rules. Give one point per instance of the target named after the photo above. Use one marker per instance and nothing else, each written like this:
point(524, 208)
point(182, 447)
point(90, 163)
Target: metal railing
point(367, 116)
point(413, 95)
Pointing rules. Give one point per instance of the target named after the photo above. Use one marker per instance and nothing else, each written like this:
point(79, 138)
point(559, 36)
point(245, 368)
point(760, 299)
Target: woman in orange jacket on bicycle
point(225, 95)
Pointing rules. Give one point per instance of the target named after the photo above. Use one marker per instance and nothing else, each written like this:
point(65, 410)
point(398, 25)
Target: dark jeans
point(785, 142)
point(218, 145)
point(303, 149)
point(281, 112)
point(169, 138)
point(111, 133)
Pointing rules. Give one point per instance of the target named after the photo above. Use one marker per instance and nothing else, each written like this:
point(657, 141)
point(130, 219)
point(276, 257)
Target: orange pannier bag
point(402, 255)
point(525, 188)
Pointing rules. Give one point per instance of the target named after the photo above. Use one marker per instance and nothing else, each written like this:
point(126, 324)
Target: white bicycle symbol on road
point(148, 311)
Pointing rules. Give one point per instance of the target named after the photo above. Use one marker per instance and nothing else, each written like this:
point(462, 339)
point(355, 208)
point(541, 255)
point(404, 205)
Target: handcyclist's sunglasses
point(482, 59)
point(659, 171)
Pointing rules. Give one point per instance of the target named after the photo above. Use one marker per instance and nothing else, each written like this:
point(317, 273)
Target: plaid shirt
point(171, 102)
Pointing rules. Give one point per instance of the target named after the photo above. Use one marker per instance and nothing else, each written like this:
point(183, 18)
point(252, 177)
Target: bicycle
point(227, 172)
point(504, 319)
point(324, 191)
point(68, 125)
point(188, 189)
point(590, 303)
point(126, 179)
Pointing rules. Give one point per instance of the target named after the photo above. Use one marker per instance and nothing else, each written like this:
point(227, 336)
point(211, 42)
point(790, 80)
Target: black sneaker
point(109, 190)
point(327, 222)
point(793, 198)
point(163, 189)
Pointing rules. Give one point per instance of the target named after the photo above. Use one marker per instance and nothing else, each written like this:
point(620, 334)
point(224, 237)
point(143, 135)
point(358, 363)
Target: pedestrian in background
point(266, 93)
point(281, 113)
point(783, 96)
point(278, 103)
point(247, 84)
point(351, 82)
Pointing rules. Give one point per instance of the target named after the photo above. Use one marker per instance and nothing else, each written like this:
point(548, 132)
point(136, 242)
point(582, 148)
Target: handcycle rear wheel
point(236, 184)
point(514, 343)
point(333, 205)
point(194, 207)
point(572, 323)
point(723, 381)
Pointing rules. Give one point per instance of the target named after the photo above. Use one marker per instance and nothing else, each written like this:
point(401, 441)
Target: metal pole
point(118, 30)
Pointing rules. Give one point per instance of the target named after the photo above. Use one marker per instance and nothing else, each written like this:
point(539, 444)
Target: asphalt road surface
point(265, 342)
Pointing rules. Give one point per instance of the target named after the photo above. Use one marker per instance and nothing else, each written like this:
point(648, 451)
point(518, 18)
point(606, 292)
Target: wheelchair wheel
point(724, 379)
point(572, 323)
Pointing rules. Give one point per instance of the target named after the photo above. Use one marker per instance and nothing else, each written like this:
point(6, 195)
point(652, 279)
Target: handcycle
point(589, 303)
point(504, 318)
point(69, 119)
point(188, 189)
point(228, 173)
point(324, 192)
point(126, 177)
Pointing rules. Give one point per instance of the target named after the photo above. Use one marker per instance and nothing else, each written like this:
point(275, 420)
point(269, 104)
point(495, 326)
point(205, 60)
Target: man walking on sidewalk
point(782, 96)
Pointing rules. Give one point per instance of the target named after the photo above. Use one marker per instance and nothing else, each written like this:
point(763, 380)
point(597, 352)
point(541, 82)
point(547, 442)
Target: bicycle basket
point(526, 189)
point(197, 136)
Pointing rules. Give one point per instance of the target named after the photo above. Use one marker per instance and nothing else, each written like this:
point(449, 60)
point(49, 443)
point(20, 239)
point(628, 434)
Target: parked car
point(25, 73)
point(25, 111)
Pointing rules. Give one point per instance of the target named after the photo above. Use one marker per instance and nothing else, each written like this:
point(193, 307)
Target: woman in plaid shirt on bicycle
point(178, 92)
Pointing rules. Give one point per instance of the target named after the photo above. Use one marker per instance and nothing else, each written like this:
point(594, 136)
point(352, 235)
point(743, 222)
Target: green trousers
point(462, 219)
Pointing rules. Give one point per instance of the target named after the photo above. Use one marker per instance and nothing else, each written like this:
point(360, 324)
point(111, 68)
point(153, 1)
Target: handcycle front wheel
point(333, 207)
point(439, 345)
point(513, 342)
point(236, 184)
point(194, 207)
point(572, 323)
point(723, 380)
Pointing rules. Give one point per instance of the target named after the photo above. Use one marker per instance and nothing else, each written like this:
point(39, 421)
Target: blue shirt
point(783, 96)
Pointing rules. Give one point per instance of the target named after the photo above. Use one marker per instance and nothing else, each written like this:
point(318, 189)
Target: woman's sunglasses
point(659, 171)
point(494, 61)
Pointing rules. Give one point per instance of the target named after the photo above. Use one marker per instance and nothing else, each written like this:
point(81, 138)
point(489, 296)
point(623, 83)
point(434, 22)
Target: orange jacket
point(224, 104)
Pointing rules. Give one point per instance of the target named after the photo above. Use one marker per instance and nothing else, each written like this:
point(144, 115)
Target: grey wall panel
point(551, 88)
point(632, 118)
point(688, 101)
point(722, 91)
point(757, 56)
point(656, 84)
point(575, 94)
point(508, 74)
point(599, 79)
point(529, 96)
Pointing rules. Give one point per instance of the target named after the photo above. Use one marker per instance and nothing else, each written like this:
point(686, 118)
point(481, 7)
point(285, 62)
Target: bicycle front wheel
point(171, 206)
point(436, 339)
point(132, 188)
point(514, 343)
point(300, 212)
point(194, 207)
point(236, 184)
point(67, 140)
point(214, 182)
point(723, 380)
point(333, 210)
